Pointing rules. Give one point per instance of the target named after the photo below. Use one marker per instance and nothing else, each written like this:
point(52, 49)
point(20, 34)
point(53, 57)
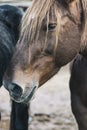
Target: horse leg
point(19, 116)
point(78, 89)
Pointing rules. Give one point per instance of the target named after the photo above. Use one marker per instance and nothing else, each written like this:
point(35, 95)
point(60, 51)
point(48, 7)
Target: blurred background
point(50, 109)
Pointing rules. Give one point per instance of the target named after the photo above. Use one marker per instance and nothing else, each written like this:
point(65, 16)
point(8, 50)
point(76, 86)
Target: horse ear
point(84, 34)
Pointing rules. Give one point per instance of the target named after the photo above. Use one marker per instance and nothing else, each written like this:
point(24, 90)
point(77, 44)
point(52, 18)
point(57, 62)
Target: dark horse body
point(10, 18)
point(78, 88)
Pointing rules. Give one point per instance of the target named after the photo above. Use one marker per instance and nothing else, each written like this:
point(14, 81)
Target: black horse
point(10, 19)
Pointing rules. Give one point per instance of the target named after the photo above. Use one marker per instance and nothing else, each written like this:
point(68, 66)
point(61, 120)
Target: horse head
point(52, 33)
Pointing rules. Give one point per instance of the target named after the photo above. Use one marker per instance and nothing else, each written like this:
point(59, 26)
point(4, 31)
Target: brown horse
point(50, 38)
point(52, 33)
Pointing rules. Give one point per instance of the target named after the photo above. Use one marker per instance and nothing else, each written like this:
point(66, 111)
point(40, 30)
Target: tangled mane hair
point(33, 19)
point(34, 16)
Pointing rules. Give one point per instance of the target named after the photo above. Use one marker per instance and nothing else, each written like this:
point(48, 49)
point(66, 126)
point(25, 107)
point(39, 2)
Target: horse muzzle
point(17, 94)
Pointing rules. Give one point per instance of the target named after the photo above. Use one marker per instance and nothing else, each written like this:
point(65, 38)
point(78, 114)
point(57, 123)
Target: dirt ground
point(50, 109)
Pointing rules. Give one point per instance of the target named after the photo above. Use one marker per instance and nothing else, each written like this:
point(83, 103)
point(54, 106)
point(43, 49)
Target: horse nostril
point(15, 90)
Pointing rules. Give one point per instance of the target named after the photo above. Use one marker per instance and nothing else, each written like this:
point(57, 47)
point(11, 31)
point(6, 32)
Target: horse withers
point(52, 33)
point(10, 19)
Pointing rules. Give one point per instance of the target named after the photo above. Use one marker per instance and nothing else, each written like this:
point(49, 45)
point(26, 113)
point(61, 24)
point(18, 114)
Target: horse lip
point(25, 98)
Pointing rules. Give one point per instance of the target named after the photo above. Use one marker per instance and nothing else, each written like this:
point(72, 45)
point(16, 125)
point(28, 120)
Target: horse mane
point(34, 16)
point(33, 19)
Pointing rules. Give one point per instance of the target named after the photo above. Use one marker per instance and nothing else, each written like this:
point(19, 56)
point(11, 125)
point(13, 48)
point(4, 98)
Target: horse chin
point(26, 97)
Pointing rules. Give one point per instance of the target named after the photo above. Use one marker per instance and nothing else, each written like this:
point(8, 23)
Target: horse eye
point(52, 26)
point(69, 1)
